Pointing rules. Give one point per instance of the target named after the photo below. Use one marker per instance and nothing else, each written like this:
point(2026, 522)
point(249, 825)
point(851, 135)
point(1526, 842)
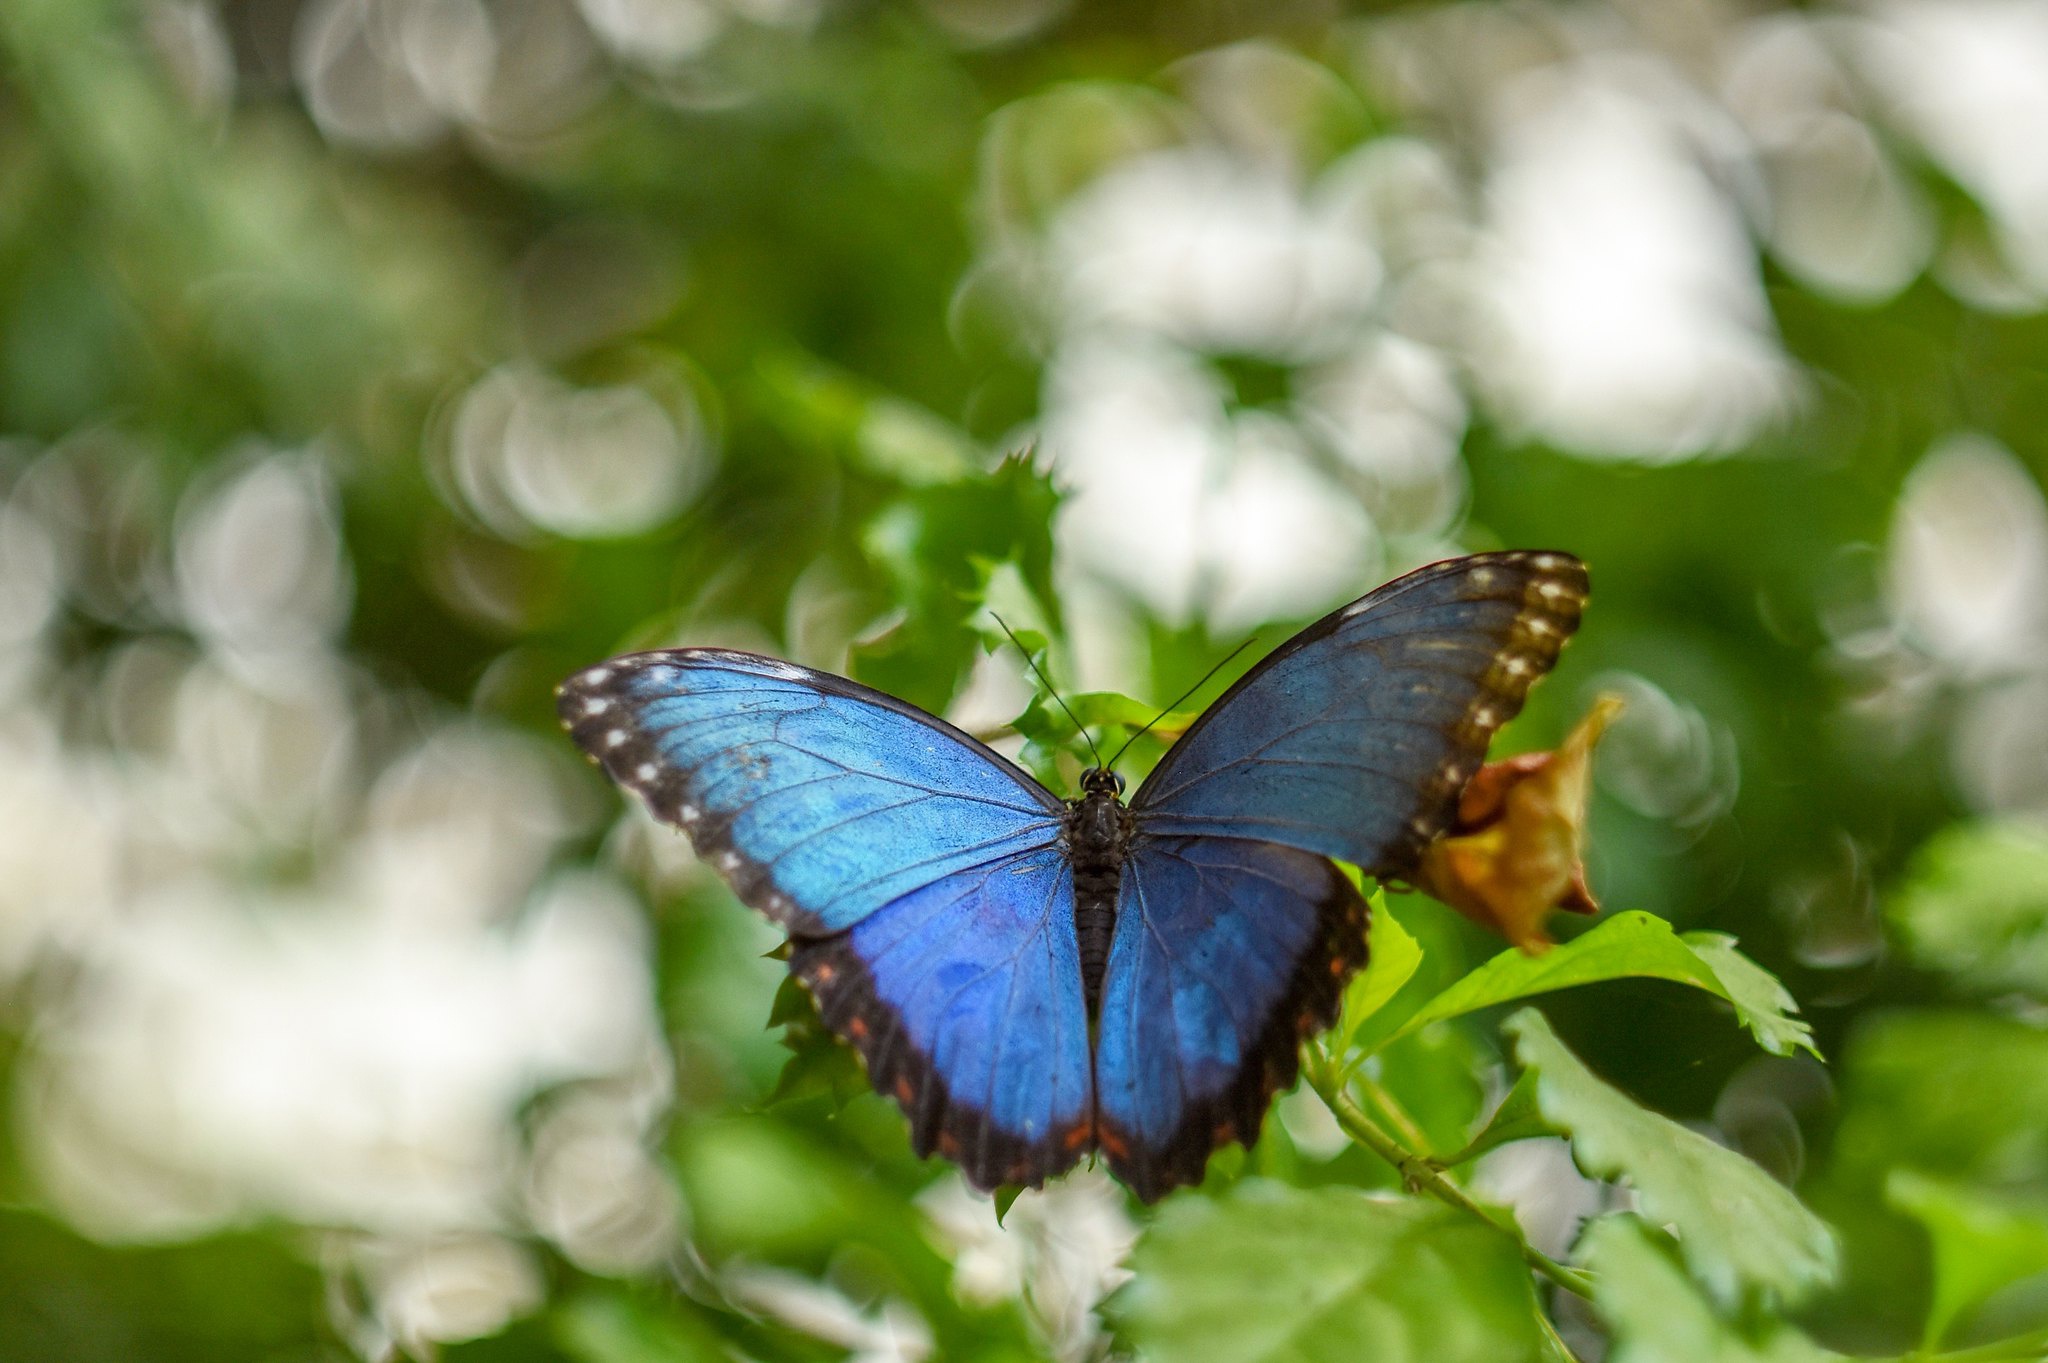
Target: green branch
point(1423, 1177)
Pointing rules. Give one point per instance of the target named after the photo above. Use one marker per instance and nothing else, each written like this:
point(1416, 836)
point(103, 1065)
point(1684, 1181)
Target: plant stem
point(1389, 1108)
point(1553, 1340)
point(1423, 1177)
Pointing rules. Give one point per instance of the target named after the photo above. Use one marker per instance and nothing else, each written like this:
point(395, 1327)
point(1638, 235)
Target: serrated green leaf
point(1981, 1243)
point(1975, 904)
point(1518, 1118)
point(1656, 1315)
point(1631, 945)
point(609, 1327)
point(1270, 1274)
point(1762, 1003)
point(1737, 1226)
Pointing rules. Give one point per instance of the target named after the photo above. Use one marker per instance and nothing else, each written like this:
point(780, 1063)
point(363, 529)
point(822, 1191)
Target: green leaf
point(1762, 1003)
point(1656, 1315)
point(1981, 1243)
point(1948, 1092)
point(1975, 904)
point(1275, 1273)
point(1006, 1198)
point(1736, 1225)
point(1518, 1118)
point(609, 1327)
point(1632, 945)
point(1392, 956)
point(942, 547)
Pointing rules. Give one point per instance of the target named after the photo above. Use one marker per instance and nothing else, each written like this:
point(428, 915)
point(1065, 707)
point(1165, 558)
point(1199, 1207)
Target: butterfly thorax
point(1098, 833)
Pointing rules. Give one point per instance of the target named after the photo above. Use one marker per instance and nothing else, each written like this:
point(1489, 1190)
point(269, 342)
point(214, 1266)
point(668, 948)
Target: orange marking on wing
point(949, 1145)
point(821, 973)
point(1077, 1135)
point(1223, 1134)
point(1111, 1142)
point(857, 1028)
point(905, 1093)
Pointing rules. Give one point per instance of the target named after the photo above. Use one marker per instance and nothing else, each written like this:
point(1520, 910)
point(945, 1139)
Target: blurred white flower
point(1837, 209)
point(1392, 410)
point(594, 1189)
point(1624, 315)
point(1215, 251)
point(528, 452)
point(1189, 510)
point(395, 75)
point(1548, 1195)
point(891, 1331)
point(259, 568)
point(656, 32)
point(1969, 78)
point(1060, 1250)
point(447, 1290)
point(1967, 563)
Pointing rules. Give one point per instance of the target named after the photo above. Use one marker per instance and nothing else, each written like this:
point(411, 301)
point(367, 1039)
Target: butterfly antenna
point(1183, 696)
point(1038, 672)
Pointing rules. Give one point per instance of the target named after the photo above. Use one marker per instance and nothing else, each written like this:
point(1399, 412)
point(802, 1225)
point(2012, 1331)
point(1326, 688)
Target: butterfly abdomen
point(1098, 832)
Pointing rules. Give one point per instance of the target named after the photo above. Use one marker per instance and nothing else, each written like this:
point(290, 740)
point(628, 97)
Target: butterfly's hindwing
point(1354, 738)
point(1227, 953)
point(819, 800)
point(964, 999)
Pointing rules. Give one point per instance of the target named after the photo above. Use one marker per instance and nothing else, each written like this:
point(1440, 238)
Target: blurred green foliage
point(797, 246)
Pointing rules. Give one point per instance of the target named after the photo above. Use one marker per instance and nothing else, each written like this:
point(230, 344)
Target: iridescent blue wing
point(964, 998)
point(818, 799)
point(918, 873)
point(1226, 953)
point(1354, 737)
point(1234, 934)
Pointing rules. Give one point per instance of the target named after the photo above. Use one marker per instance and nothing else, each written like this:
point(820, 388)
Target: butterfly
point(1035, 979)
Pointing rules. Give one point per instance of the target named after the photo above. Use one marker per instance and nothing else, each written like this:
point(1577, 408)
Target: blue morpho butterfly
point(1033, 978)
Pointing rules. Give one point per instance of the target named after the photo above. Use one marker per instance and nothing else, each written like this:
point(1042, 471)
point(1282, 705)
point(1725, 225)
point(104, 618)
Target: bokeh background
point(366, 366)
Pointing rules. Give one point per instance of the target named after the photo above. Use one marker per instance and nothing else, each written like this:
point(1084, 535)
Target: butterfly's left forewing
point(918, 873)
point(818, 799)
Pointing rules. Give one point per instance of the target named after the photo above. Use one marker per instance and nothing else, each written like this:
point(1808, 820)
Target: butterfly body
point(1097, 837)
point(1034, 979)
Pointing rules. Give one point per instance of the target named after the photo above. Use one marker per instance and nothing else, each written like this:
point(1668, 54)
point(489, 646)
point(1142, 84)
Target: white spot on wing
point(645, 771)
point(596, 705)
point(1553, 591)
point(597, 676)
point(616, 738)
point(1547, 563)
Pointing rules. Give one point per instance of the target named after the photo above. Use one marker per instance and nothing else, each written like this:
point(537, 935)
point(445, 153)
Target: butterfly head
point(1102, 781)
